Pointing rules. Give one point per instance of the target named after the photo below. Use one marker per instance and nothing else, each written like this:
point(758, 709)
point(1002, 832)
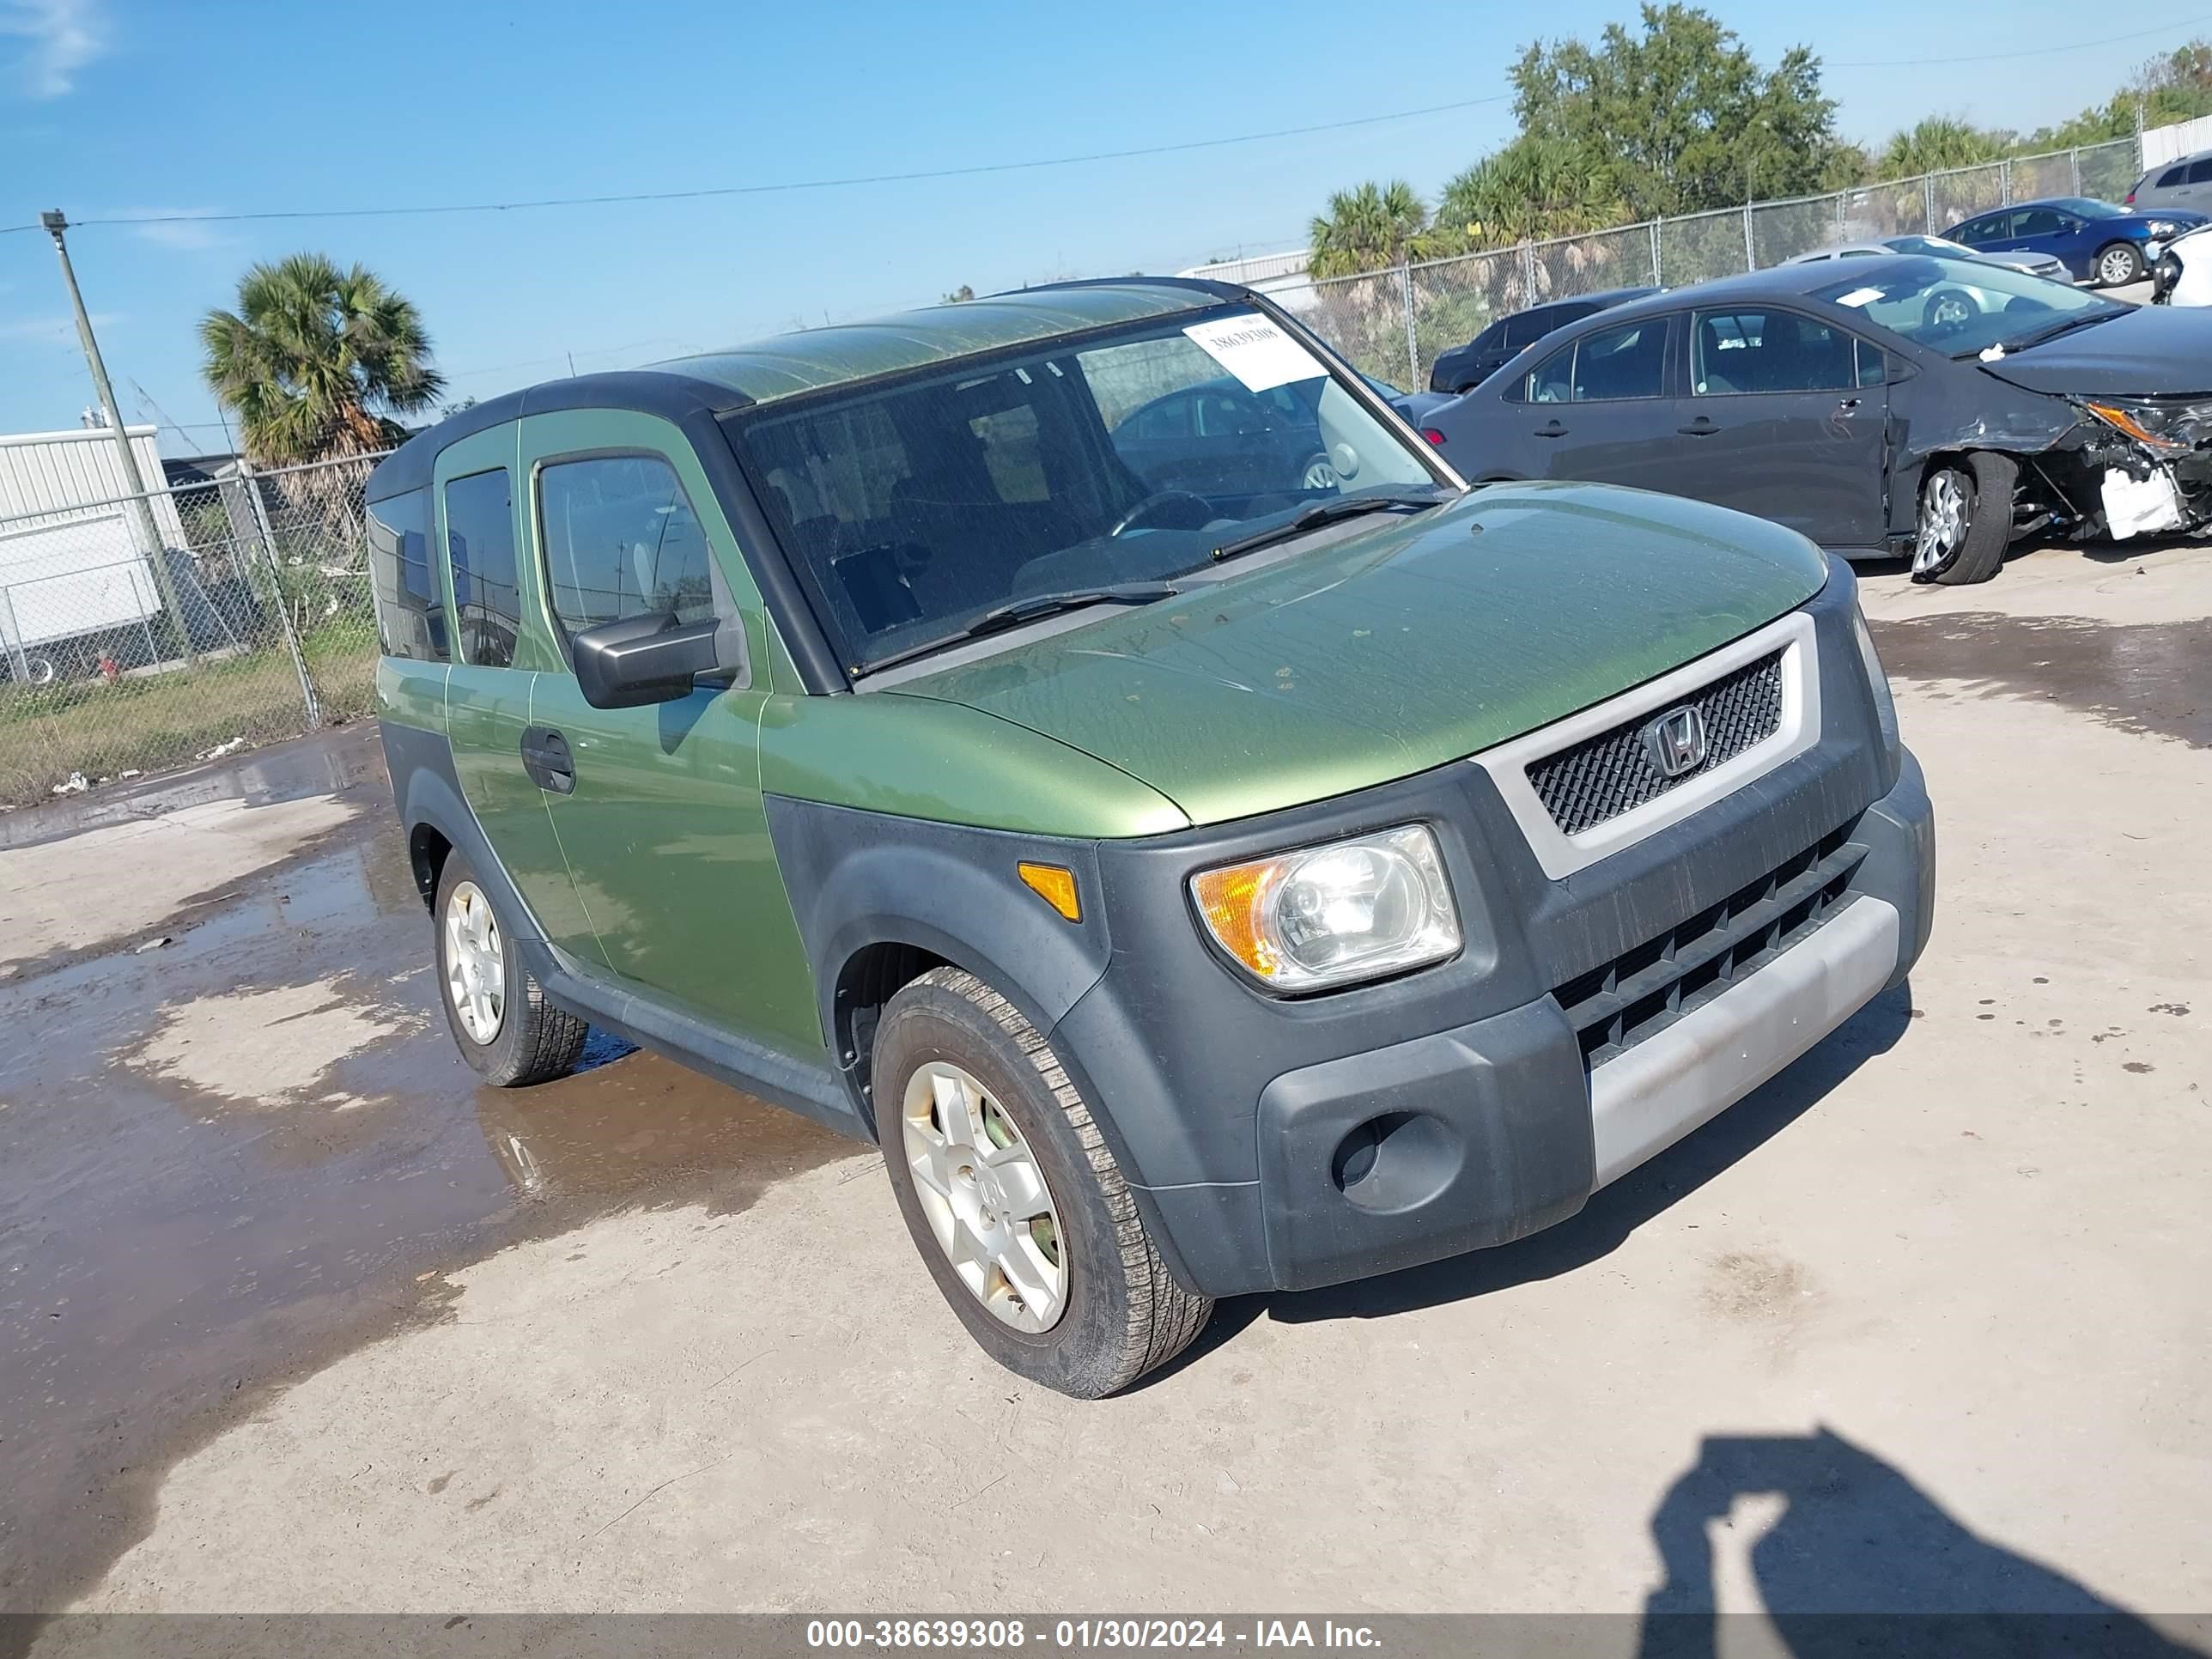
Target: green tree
point(1680, 116)
point(959, 295)
point(317, 362)
point(1367, 228)
point(1937, 142)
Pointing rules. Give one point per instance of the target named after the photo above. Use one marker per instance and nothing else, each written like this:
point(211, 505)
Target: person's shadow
point(1862, 1562)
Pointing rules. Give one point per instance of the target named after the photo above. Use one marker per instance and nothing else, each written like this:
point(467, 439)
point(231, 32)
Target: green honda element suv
point(1199, 876)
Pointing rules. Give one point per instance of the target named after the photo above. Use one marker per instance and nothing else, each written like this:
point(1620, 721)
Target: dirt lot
point(292, 1317)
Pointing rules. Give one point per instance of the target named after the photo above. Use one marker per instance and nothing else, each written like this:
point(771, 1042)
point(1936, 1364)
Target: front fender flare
point(858, 879)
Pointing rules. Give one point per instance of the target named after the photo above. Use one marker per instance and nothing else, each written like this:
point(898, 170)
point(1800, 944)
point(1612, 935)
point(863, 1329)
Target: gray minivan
point(2185, 183)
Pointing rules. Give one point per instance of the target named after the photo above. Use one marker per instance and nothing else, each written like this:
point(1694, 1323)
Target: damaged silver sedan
point(1932, 407)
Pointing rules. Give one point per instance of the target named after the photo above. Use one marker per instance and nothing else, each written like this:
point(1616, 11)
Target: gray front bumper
point(1647, 1099)
point(1493, 1130)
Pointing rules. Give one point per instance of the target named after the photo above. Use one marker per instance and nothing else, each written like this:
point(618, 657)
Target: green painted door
point(663, 829)
point(497, 659)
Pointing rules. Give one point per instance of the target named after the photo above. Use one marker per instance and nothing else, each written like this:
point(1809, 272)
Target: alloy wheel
point(476, 963)
point(985, 1197)
point(2116, 267)
point(1319, 475)
point(1944, 515)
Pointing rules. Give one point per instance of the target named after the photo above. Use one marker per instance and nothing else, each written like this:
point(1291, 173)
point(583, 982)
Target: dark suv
point(1196, 889)
point(1465, 367)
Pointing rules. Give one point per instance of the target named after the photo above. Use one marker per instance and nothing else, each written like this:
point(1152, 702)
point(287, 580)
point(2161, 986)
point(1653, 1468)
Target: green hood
point(1401, 646)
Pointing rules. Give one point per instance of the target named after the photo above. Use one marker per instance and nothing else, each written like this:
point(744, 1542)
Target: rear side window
point(411, 610)
point(480, 547)
point(2172, 176)
point(2201, 172)
point(1552, 380)
point(1985, 228)
point(620, 540)
point(1628, 361)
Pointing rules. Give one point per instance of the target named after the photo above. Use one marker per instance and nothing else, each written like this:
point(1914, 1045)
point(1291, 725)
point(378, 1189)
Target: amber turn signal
point(1053, 884)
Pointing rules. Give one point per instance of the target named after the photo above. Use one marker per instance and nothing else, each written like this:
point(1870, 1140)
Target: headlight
point(1885, 704)
point(2169, 428)
point(2162, 227)
point(1333, 916)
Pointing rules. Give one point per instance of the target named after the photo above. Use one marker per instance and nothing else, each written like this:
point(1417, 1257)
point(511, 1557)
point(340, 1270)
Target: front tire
point(1014, 1199)
point(2119, 264)
point(1318, 473)
point(500, 1020)
point(1965, 518)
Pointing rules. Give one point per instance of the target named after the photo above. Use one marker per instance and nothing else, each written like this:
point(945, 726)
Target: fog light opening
point(1395, 1161)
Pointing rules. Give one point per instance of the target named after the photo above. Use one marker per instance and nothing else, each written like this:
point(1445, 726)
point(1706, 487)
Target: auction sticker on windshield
point(1255, 351)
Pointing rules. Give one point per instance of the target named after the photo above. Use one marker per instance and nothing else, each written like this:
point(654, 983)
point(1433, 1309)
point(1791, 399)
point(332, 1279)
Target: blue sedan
point(2099, 242)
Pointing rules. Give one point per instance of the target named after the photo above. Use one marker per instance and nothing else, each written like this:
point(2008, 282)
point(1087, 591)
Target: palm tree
point(1938, 142)
point(1367, 229)
point(316, 361)
point(1533, 189)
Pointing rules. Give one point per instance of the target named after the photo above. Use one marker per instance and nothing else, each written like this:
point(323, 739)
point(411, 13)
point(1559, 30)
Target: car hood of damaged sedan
point(2150, 351)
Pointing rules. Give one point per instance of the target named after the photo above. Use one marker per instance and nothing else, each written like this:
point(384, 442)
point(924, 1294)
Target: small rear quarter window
point(410, 600)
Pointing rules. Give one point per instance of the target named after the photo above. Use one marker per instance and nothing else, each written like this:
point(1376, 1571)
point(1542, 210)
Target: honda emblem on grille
point(1676, 741)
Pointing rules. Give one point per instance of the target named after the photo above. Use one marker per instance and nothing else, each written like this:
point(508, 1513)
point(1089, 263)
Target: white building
point(1281, 276)
point(72, 565)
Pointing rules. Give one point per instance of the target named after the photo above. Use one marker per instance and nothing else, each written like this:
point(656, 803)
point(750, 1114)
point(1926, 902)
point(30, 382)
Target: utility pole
point(150, 538)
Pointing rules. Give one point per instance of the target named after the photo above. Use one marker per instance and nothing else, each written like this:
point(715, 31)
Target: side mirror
point(644, 659)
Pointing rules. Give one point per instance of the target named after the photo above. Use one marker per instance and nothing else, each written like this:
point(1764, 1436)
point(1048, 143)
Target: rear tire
point(500, 1020)
point(1965, 518)
point(987, 1139)
point(2118, 263)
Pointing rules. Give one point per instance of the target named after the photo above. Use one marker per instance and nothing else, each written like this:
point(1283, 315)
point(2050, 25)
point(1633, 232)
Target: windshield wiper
point(1031, 607)
point(1320, 513)
point(2043, 335)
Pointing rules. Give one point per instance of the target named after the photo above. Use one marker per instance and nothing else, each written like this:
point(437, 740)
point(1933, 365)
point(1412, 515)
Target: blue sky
point(120, 106)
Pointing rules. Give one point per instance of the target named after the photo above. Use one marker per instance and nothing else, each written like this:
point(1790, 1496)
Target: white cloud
point(54, 330)
point(181, 230)
point(64, 36)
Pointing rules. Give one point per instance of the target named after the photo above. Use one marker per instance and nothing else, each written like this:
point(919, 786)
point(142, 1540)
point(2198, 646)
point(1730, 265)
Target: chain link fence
point(1392, 324)
point(121, 653)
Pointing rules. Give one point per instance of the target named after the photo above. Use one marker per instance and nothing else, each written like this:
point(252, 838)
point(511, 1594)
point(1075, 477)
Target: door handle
point(1700, 428)
point(545, 756)
point(1847, 405)
point(1551, 429)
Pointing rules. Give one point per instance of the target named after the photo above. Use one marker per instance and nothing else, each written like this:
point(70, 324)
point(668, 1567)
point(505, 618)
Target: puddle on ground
point(2150, 677)
point(331, 764)
point(227, 1161)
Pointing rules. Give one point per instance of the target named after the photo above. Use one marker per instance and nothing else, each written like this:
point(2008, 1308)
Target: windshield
point(1964, 307)
point(916, 508)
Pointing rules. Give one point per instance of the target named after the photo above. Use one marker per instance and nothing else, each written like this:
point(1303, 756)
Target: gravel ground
point(1922, 1324)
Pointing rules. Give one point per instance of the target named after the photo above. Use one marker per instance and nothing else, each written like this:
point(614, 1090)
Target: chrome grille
point(1617, 1004)
point(1603, 776)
